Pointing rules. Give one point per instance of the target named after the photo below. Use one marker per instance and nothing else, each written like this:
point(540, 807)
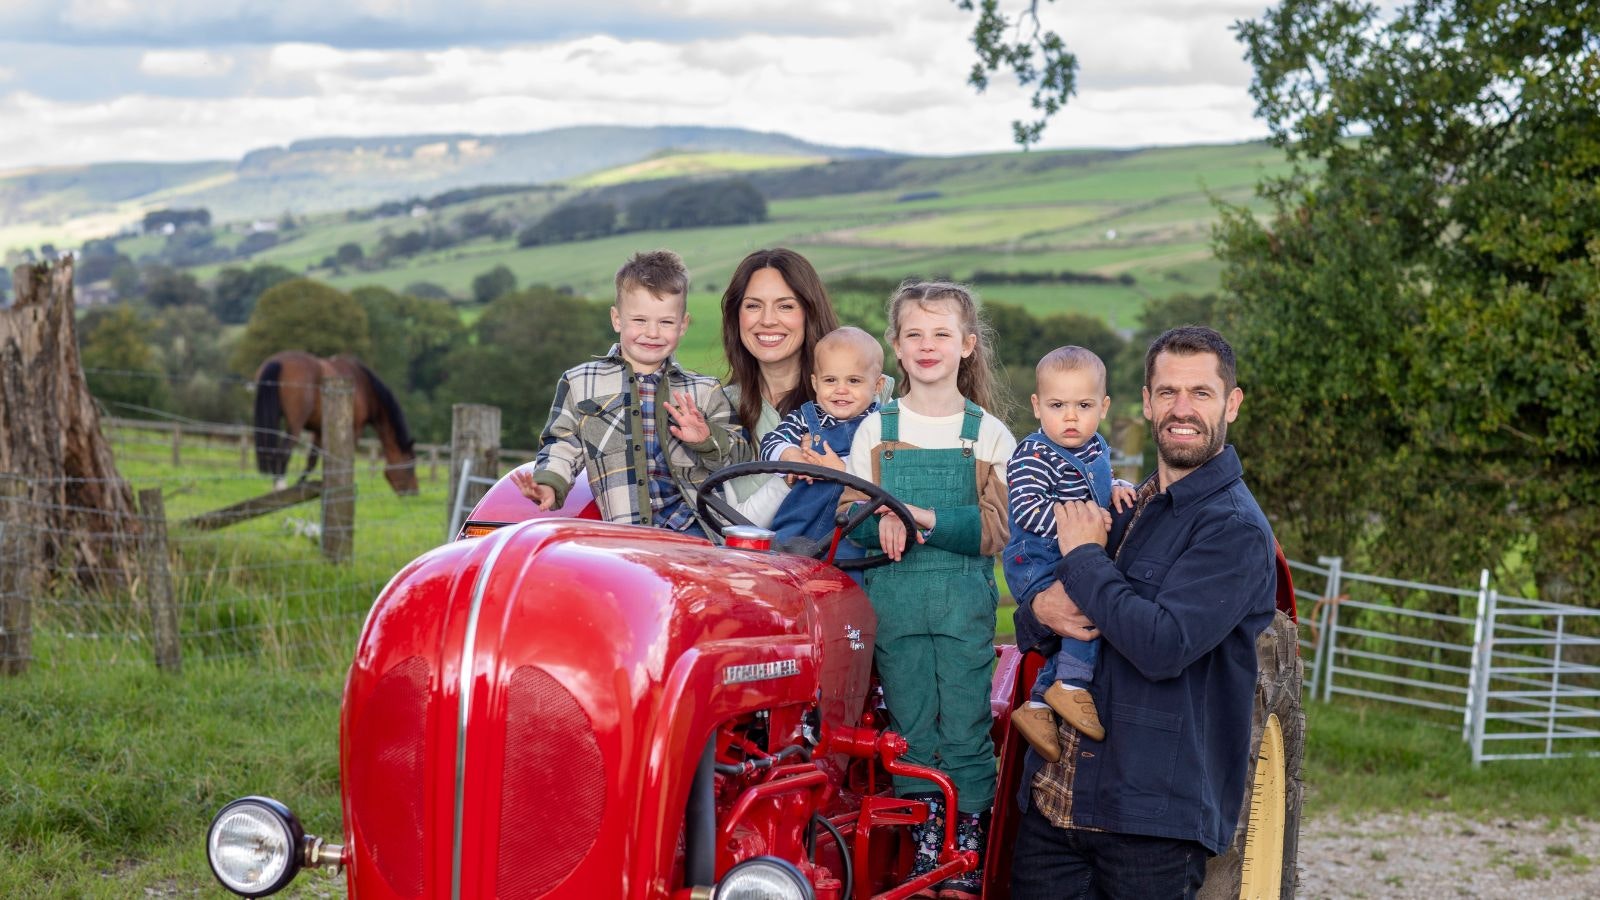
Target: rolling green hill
point(1096, 231)
point(1141, 219)
point(67, 204)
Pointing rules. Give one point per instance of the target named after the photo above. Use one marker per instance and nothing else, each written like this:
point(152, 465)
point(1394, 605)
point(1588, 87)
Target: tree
point(427, 290)
point(77, 518)
point(1034, 54)
point(189, 343)
point(302, 315)
point(122, 372)
point(164, 286)
point(237, 289)
point(348, 254)
point(193, 246)
point(186, 339)
point(125, 279)
point(254, 243)
point(491, 284)
point(731, 202)
point(99, 268)
point(411, 340)
point(1023, 339)
point(572, 222)
point(96, 260)
point(159, 219)
point(523, 342)
point(1416, 318)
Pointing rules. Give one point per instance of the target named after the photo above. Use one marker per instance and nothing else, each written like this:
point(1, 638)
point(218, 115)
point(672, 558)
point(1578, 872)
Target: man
point(1179, 589)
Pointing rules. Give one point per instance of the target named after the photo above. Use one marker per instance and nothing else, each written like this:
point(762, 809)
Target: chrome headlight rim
point(293, 836)
point(771, 866)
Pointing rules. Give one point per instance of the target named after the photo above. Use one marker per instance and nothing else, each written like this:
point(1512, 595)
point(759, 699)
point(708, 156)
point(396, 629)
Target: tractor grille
point(554, 787)
point(388, 790)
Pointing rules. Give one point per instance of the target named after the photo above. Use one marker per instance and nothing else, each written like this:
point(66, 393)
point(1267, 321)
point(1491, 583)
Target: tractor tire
point(1261, 861)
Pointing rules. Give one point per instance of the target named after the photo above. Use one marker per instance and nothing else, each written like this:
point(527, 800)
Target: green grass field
point(113, 775)
point(674, 165)
point(112, 770)
point(1146, 214)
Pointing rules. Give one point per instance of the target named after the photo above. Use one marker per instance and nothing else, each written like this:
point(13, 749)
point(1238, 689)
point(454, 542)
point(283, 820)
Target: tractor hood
point(523, 708)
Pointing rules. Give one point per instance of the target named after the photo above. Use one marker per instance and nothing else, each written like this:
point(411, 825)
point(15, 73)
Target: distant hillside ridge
point(333, 173)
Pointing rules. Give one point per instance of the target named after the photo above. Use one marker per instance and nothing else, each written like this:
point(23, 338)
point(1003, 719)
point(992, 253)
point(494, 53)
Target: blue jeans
point(1050, 863)
point(1073, 664)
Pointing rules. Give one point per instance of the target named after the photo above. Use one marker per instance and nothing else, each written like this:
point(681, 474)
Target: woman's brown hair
point(744, 372)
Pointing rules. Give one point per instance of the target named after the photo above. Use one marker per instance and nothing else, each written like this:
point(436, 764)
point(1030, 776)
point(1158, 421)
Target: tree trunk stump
point(79, 510)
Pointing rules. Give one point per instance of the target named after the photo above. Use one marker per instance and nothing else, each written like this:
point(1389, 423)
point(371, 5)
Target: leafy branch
point(1034, 54)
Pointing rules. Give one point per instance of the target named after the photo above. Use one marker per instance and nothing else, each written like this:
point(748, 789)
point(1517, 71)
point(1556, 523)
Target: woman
point(773, 313)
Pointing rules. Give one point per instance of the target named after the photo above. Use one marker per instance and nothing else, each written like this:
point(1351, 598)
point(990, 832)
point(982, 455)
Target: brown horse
point(289, 389)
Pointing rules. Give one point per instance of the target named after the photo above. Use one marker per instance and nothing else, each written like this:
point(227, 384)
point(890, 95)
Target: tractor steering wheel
point(717, 512)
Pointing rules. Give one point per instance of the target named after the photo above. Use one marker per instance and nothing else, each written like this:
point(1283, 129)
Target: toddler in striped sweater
point(1066, 459)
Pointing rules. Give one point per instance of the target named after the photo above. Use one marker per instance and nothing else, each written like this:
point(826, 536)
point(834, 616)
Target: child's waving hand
point(689, 424)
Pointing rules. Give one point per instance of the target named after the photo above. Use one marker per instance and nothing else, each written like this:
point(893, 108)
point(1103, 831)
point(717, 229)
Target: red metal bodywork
point(525, 712)
point(591, 663)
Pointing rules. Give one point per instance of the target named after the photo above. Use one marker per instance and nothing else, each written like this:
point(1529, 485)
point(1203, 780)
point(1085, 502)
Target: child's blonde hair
point(975, 379)
point(661, 272)
point(850, 336)
point(1072, 358)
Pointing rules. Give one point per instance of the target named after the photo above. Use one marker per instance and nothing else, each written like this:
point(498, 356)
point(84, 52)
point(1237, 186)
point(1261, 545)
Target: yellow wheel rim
point(1261, 875)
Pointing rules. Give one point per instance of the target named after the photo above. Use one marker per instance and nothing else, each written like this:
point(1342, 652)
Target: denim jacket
point(1179, 602)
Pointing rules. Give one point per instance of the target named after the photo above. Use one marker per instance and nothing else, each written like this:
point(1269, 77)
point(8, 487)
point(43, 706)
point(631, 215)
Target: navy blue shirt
point(1192, 585)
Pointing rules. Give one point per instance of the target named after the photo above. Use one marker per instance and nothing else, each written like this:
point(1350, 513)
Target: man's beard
point(1191, 456)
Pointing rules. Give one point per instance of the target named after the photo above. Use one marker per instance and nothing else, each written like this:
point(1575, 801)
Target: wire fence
point(261, 587)
point(165, 580)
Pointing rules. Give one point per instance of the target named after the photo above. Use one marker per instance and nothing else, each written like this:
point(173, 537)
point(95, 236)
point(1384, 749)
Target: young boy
point(847, 377)
point(1066, 459)
point(611, 415)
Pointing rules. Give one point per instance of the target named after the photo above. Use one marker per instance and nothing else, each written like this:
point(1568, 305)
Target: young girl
point(939, 451)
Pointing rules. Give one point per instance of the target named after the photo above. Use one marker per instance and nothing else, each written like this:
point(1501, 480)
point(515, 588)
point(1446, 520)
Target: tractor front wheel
point(1261, 861)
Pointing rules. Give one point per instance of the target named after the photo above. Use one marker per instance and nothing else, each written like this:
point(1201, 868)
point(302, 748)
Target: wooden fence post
point(474, 435)
point(158, 583)
point(244, 451)
point(433, 463)
point(177, 446)
point(16, 584)
point(338, 470)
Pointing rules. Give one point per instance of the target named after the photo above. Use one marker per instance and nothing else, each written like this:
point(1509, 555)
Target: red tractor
point(552, 706)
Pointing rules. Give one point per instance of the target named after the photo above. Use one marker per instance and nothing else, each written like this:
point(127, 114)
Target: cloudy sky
point(100, 80)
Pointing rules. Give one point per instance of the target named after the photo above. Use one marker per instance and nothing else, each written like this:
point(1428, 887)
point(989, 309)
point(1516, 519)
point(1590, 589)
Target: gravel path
point(1440, 855)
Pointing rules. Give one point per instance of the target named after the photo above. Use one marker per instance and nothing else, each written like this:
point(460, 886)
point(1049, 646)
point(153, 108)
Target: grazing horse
point(289, 388)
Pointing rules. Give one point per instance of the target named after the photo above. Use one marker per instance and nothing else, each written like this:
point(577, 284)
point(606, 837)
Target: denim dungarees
point(936, 613)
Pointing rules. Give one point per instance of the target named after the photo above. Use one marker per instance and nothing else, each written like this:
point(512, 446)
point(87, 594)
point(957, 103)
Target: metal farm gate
point(1524, 675)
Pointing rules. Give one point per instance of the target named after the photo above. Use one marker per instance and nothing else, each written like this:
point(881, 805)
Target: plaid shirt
point(597, 425)
point(665, 500)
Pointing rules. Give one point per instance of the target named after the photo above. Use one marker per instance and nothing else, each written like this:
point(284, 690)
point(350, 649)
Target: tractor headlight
point(254, 846)
point(764, 878)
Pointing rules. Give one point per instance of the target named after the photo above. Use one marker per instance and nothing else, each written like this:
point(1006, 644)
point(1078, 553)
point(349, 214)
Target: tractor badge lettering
point(760, 671)
point(853, 635)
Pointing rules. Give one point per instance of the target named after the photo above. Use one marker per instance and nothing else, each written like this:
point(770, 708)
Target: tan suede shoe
point(1037, 725)
point(1077, 707)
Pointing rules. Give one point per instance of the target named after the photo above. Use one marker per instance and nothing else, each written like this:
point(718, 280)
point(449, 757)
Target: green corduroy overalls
point(936, 609)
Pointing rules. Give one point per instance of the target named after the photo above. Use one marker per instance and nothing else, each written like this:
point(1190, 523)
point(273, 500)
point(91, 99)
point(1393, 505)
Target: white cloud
point(1151, 73)
point(185, 63)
